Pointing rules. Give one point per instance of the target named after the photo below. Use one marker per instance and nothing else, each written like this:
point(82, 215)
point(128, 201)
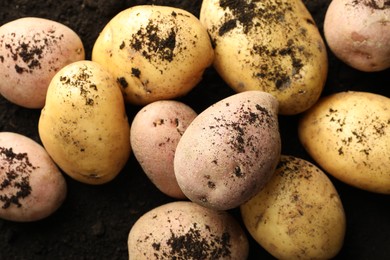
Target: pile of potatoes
point(227, 156)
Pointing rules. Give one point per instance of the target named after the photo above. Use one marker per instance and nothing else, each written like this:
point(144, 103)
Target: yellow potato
point(155, 52)
point(271, 45)
point(186, 230)
point(348, 135)
point(83, 125)
point(298, 215)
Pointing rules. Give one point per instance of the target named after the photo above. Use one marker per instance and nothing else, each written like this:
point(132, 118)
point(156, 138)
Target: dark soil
point(94, 221)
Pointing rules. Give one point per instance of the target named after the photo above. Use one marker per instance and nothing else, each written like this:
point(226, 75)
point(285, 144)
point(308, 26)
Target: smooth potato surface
point(298, 215)
point(155, 132)
point(348, 135)
point(358, 33)
point(84, 125)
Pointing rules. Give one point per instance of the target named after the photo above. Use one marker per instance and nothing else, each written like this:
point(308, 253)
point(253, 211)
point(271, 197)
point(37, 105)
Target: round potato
point(31, 185)
point(185, 230)
point(155, 132)
point(358, 33)
point(32, 50)
point(83, 125)
point(272, 45)
point(229, 151)
point(348, 135)
point(298, 215)
point(155, 52)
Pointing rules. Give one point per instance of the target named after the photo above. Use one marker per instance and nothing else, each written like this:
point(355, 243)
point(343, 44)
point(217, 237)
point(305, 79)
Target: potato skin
point(272, 45)
point(155, 52)
point(358, 33)
point(155, 132)
point(185, 230)
point(229, 151)
point(83, 125)
point(32, 187)
point(298, 215)
point(348, 135)
point(32, 50)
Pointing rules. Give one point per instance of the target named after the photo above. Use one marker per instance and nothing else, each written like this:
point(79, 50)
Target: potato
point(348, 135)
point(83, 125)
point(31, 185)
point(298, 215)
point(185, 230)
point(229, 151)
point(32, 50)
point(155, 132)
point(358, 33)
point(272, 45)
point(155, 52)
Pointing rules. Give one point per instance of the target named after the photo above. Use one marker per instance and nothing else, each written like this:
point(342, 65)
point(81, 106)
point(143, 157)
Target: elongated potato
point(83, 125)
point(348, 135)
point(271, 45)
point(298, 214)
point(229, 151)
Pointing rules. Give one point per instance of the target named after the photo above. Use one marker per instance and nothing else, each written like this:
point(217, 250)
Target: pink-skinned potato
point(155, 132)
point(358, 33)
point(32, 50)
point(31, 185)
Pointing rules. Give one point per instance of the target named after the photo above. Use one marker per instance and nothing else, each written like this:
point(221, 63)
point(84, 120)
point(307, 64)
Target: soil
point(94, 221)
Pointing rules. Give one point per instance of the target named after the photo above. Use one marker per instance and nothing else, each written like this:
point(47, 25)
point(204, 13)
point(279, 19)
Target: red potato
point(155, 133)
point(358, 33)
point(229, 151)
point(31, 185)
point(32, 50)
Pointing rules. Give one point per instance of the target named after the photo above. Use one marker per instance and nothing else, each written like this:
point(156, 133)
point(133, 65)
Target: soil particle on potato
point(15, 180)
point(192, 245)
point(28, 53)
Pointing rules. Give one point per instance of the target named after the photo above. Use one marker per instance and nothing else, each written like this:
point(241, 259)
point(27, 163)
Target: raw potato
point(155, 52)
point(83, 125)
point(271, 45)
point(230, 150)
point(32, 50)
point(298, 215)
point(185, 230)
point(348, 135)
point(31, 185)
point(358, 33)
point(155, 132)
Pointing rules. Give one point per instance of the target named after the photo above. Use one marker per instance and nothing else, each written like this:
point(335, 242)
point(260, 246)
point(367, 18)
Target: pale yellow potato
point(271, 45)
point(155, 132)
point(32, 187)
point(155, 52)
point(185, 230)
point(229, 151)
point(348, 135)
point(83, 125)
point(358, 33)
point(32, 51)
point(298, 215)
